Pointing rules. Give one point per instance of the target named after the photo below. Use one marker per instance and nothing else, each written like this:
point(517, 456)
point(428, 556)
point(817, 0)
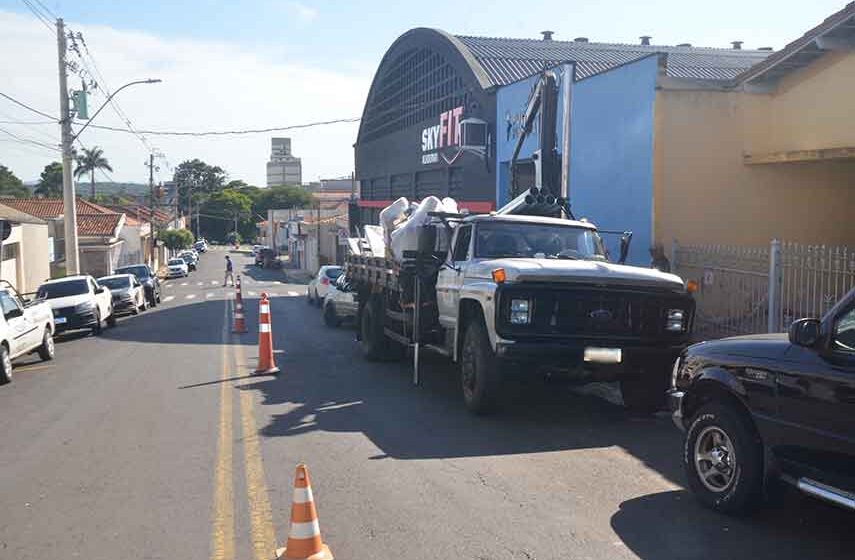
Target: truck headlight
point(520, 312)
point(675, 372)
point(675, 321)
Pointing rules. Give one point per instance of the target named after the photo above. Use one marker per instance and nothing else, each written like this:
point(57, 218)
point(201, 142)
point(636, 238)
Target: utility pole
point(190, 206)
point(151, 207)
point(318, 232)
point(68, 195)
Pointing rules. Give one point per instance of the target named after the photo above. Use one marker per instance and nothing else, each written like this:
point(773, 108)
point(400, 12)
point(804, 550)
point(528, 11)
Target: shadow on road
point(195, 323)
point(671, 526)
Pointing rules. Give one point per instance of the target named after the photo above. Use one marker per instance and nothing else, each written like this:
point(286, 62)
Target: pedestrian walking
point(229, 272)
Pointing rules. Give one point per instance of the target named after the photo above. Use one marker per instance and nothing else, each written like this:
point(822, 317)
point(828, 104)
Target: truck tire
point(5, 365)
point(480, 371)
point(723, 459)
point(644, 392)
point(47, 350)
point(374, 342)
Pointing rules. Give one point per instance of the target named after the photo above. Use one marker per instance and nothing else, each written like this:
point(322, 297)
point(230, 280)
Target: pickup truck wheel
point(480, 371)
point(96, 328)
point(111, 320)
point(374, 342)
point(723, 459)
point(644, 392)
point(5, 365)
point(47, 350)
point(330, 318)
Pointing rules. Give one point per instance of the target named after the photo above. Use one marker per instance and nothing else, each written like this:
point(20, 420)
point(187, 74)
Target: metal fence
point(735, 283)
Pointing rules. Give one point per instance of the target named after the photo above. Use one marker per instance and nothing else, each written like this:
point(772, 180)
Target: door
point(450, 278)
point(20, 327)
point(817, 401)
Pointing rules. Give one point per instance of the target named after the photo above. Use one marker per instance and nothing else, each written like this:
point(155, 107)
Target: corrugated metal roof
point(509, 60)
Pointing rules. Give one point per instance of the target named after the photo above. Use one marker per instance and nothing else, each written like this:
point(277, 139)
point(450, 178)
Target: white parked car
point(128, 293)
point(320, 284)
point(24, 328)
point(78, 302)
point(340, 302)
point(176, 268)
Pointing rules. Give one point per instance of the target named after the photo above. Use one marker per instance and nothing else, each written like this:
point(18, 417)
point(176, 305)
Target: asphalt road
point(155, 441)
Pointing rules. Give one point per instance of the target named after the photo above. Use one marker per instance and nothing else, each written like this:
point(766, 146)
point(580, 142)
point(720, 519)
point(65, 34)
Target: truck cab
point(540, 294)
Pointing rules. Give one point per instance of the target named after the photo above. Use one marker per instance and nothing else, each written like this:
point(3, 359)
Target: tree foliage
point(281, 197)
point(10, 185)
point(217, 215)
point(175, 239)
point(50, 182)
point(197, 177)
point(90, 161)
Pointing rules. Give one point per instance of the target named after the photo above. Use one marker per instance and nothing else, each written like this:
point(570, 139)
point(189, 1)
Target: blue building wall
point(611, 150)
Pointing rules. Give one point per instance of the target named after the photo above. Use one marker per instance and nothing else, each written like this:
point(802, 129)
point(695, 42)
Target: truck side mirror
point(804, 332)
point(625, 241)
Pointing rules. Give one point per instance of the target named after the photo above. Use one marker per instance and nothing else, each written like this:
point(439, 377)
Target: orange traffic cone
point(266, 364)
point(240, 324)
point(304, 538)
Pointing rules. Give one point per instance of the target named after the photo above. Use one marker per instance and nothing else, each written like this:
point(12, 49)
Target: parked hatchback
point(147, 278)
point(320, 284)
point(771, 406)
point(177, 268)
point(78, 302)
point(340, 302)
point(128, 293)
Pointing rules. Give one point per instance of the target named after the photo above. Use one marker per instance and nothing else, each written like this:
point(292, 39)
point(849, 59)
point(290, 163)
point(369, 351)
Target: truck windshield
point(62, 289)
point(551, 241)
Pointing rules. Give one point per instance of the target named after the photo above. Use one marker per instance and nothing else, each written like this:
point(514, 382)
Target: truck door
point(450, 278)
point(817, 402)
point(20, 328)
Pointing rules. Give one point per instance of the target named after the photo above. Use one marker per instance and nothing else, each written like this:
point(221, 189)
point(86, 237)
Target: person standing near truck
point(229, 272)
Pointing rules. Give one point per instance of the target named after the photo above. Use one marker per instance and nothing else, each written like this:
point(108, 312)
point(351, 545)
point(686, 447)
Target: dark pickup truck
point(761, 408)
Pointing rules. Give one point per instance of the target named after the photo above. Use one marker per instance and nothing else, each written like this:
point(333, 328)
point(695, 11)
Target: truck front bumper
point(586, 355)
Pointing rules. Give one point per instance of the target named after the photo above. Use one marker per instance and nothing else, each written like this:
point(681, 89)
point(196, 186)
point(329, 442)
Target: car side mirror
point(625, 241)
point(805, 332)
point(12, 313)
point(100, 290)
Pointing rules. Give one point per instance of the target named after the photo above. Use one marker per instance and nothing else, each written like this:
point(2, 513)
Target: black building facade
point(409, 141)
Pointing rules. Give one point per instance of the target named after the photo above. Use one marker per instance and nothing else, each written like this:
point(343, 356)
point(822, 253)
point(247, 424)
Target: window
point(844, 333)
point(526, 240)
point(62, 289)
point(461, 245)
point(7, 302)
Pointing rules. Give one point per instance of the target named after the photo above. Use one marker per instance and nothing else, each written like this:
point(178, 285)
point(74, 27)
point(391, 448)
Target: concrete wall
point(34, 255)
point(706, 194)
point(611, 154)
point(810, 109)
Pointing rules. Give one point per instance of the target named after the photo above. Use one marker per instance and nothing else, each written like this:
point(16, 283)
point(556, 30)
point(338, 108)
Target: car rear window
point(114, 283)
point(62, 289)
point(138, 271)
point(333, 273)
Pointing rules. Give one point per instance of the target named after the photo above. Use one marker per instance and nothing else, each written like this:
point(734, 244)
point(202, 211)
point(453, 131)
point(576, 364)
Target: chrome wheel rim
point(715, 459)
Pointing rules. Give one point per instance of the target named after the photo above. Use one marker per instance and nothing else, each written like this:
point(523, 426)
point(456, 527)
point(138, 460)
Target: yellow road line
point(30, 368)
point(261, 518)
point(223, 532)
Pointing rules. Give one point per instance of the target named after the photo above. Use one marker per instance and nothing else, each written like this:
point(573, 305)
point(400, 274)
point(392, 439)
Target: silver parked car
point(339, 303)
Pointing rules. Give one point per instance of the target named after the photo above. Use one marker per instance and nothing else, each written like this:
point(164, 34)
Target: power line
point(29, 140)
point(46, 9)
point(27, 107)
point(231, 132)
point(27, 122)
point(40, 16)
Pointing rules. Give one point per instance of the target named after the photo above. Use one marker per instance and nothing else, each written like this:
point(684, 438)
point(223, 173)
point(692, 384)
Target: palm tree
point(91, 161)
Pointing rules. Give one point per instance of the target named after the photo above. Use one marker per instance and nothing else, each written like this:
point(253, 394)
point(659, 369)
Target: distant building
point(283, 168)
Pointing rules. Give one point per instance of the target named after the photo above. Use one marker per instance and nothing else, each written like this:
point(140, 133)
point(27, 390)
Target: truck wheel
point(330, 318)
point(5, 365)
point(374, 342)
point(480, 371)
point(723, 459)
point(644, 392)
point(47, 349)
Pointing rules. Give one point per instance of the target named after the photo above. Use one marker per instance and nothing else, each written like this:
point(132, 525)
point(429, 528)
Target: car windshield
point(176, 262)
point(62, 289)
point(551, 241)
point(139, 271)
point(333, 272)
point(115, 283)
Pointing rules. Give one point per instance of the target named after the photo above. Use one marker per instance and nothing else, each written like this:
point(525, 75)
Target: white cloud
point(206, 86)
point(305, 13)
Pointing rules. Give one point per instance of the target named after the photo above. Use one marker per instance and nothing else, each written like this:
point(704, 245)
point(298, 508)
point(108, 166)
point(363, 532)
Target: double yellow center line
point(262, 534)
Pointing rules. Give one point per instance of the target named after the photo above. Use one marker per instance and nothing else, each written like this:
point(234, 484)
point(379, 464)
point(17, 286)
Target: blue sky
point(276, 62)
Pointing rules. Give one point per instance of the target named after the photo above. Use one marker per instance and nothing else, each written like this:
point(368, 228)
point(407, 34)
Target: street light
point(68, 195)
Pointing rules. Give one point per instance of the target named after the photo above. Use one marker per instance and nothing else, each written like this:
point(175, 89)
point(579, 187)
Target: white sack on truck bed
point(406, 236)
point(374, 236)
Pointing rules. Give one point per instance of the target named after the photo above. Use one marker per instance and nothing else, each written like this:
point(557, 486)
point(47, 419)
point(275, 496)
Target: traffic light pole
point(68, 196)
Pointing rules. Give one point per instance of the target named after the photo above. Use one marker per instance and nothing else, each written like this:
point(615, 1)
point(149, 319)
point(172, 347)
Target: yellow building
point(769, 156)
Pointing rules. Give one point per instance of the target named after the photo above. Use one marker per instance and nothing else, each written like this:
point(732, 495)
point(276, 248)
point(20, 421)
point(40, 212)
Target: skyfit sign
point(443, 140)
